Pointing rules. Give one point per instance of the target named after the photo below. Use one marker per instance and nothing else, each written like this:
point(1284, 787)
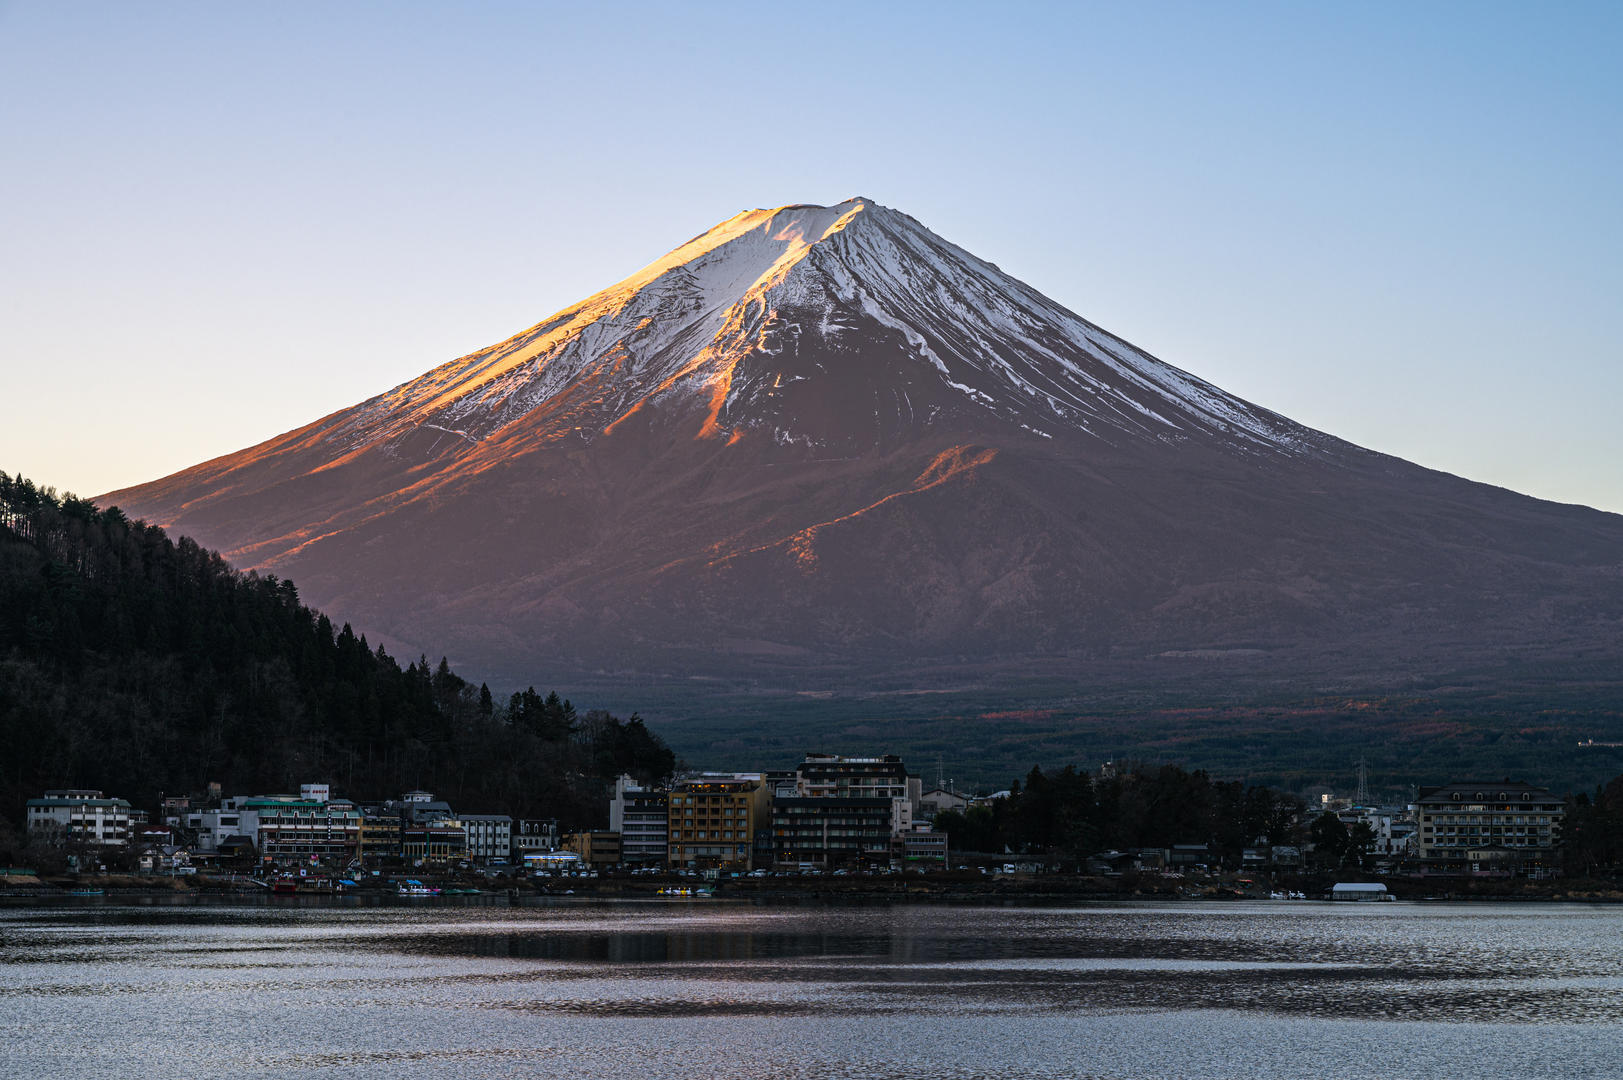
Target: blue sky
point(1397, 223)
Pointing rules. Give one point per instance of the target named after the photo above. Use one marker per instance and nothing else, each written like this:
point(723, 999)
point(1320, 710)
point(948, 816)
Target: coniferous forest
point(144, 665)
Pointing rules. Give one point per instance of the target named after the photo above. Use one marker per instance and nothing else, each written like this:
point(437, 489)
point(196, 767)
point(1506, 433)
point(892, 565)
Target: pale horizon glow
point(1397, 225)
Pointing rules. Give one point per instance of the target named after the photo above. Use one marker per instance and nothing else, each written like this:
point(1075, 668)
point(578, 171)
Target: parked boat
point(293, 885)
point(1358, 891)
point(413, 887)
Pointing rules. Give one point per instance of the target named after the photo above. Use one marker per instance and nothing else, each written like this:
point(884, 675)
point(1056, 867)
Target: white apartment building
point(77, 815)
point(490, 836)
point(639, 815)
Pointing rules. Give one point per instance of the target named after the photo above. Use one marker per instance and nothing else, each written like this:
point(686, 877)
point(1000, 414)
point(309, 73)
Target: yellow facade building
point(712, 821)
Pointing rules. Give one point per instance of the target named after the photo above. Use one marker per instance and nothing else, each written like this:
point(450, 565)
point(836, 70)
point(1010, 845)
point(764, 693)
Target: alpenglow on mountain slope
point(823, 442)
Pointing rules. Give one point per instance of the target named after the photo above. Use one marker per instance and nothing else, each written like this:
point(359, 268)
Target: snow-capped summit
point(853, 294)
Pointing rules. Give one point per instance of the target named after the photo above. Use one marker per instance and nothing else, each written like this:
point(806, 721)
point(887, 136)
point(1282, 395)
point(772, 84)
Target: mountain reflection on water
point(652, 989)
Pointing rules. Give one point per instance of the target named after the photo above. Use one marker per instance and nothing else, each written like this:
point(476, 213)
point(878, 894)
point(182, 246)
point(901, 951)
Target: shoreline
point(948, 888)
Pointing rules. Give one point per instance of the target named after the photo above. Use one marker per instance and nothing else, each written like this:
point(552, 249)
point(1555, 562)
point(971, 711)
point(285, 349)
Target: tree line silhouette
point(1072, 814)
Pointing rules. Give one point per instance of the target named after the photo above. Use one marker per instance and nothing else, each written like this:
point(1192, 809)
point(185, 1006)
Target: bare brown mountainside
point(822, 445)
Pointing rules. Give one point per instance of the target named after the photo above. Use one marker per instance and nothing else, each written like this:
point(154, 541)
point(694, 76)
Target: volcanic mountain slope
point(824, 439)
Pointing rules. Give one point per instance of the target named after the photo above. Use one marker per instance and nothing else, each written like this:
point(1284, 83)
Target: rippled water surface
point(712, 989)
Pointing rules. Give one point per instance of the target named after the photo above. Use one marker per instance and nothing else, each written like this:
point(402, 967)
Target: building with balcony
point(834, 776)
point(1483, 825)
point(379, 837)
point(822, 833)
point(288, 829)
point(78, 816)
point(831, 776)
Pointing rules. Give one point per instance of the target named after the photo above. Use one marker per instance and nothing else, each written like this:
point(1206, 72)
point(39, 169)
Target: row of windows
point(699, 834)
point(813, 835)
point(1484, 819)
point(832, 807)
point(825, 776)
point(1492, 832)
point(876, 790)
point(1501, 808)
point(47, 811)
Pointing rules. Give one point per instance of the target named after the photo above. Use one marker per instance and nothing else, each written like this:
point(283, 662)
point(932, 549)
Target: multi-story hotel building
point(711, 821)
point(844, 811)
point(1484, 824)
point(288, 829)
point(823, 833)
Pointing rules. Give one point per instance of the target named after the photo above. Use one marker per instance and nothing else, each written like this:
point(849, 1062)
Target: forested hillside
point(141, 665)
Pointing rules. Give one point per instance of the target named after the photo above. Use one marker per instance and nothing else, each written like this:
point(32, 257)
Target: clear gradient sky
point(1399, 223)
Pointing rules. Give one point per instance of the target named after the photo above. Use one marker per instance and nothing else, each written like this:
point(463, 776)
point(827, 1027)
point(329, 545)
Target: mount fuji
point(821, 444)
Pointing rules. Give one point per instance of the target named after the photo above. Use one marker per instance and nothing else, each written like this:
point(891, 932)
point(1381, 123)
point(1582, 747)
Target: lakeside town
point(831, 824)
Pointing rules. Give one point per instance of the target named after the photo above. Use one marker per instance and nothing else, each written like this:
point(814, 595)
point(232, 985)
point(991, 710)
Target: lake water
point(712, 989)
